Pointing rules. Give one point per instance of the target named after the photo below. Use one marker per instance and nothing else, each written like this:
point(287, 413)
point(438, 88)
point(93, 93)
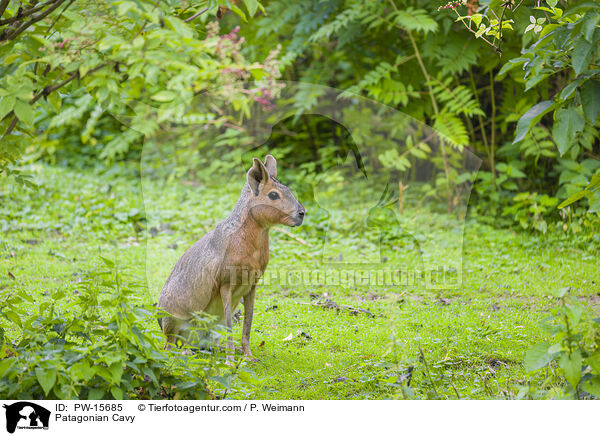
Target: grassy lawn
point(467, 342)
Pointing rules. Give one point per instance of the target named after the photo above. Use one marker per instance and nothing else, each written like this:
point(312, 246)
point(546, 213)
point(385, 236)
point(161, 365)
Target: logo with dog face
point(26, 415)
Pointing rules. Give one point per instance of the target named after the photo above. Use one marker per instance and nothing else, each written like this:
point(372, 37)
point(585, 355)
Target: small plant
point(575, 347)
point(531, 210)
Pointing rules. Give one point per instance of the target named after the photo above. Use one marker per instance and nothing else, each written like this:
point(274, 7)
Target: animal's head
point(271, 202)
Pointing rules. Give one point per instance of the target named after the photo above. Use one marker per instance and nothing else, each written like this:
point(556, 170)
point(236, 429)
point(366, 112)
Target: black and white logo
point(26, 415)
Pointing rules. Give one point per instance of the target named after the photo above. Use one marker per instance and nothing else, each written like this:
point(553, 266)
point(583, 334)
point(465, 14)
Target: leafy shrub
point(97, 344)
point(574, 348)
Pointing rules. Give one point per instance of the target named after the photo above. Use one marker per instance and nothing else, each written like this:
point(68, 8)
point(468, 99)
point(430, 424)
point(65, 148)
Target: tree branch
point(3, 6)
point(58, 16)
point(34, 19)
point(48, 90)
point(26, 13)
point(197, 14)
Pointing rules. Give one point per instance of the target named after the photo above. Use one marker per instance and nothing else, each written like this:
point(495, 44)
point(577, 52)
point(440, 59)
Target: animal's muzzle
point(299, 218)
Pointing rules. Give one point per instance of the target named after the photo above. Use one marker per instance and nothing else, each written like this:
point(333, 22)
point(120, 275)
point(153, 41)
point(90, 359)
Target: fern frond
point(414, 19)
point(456, 99)
point(451, 129)
point(341, 21)
point(380, 85)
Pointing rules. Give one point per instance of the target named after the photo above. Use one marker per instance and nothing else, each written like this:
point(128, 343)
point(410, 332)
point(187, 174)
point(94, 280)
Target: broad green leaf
point(252, 6)
point(512, 63)
point(531, 117)
point(55, 100)
point(476, 18)
point(594, 203)
point(5, 365)
point(24, 112)
point(537, 357)
point(534, 80)
point(116, 370)
point(568, 90)
point(589, 26)
point(594, 361)
point(109, 263)
point(592, 386)
point(82, 371)
point(569, 121)
point(238, 12)
point(164, 96)
point(547, 29)
point(481, 31)
point(46, 378)
point(95, 394)
point(578, 8)
point(179, 26)
point(116, 392)
point(7, 103)
point(573, 198)
point(574, 312)
point(581, 55)
point(590, 99)
point(571, 365)
point(11, 316)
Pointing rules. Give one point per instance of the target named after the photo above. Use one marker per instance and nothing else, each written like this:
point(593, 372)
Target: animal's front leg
point(248, 313)
point(226, 299)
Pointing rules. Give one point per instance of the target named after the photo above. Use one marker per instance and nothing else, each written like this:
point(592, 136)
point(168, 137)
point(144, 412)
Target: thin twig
point(48, 90)
point(11, 126)
point(26, 13)
point(500, 28)
point(58, 16)
point(51, 26)
point(592, 156)
point(34, 19)
point(285, 232)
point(197, 14)
point(3, 6)
point(474, 31)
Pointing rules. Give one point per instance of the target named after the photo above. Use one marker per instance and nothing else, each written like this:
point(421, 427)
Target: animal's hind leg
point(170, 329)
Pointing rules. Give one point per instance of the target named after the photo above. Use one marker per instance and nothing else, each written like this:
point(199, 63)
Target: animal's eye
point(273, 195)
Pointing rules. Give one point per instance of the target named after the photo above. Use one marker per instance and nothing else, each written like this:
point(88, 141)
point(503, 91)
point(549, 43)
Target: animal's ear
point(256, 175)
point(271, 165)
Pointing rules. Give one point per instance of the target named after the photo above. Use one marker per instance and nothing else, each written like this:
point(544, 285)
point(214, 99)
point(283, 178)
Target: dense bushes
point(96, 344)
point(531, 113)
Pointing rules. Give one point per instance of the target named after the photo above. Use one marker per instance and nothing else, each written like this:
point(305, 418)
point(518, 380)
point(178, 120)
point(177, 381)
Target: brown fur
point(221, 268)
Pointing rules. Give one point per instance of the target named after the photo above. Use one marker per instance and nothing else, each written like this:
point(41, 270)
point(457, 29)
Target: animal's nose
point(301, 213)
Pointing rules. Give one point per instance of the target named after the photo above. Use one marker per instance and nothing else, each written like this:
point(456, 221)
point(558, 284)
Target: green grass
point(467, 342)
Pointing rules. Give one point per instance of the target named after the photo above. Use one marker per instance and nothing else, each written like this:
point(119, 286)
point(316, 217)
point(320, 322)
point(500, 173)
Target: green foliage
point(531, 210)
point(65, 70)
point(95, 345)
point(64, 77)
point(414, 19)
point(574, 347)
point(567, 44)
